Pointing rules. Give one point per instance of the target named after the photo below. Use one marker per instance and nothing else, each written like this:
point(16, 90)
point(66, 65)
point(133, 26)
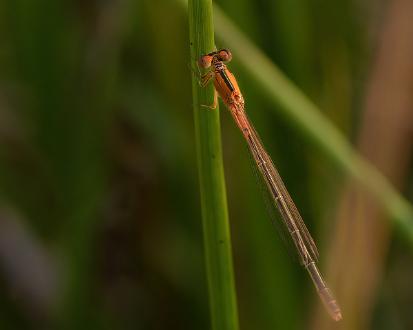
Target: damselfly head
point(223, 55)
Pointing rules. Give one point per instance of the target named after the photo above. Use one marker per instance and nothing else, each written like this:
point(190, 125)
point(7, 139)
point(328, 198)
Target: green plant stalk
point(217, 242)
point(308, 119)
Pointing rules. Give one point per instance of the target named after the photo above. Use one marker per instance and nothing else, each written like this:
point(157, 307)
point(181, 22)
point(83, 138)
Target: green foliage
point(100, 213)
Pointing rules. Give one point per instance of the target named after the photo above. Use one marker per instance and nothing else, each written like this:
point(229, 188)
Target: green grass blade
point(212, 183)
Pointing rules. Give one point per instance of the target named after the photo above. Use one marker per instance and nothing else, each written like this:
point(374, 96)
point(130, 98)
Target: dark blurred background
point(100, 222)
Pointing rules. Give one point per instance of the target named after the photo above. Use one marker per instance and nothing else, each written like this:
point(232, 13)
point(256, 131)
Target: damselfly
point(227, 88)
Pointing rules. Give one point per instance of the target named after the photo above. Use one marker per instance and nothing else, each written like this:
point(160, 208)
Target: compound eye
point(205, 61)
point(225, 55)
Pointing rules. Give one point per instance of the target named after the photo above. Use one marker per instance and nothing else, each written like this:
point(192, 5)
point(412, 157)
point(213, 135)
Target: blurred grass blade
point(212, 183)
point(308, 119)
